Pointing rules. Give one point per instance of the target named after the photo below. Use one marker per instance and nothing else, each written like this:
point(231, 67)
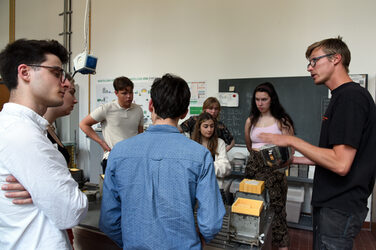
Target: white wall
point(39, 19)
point(203, 40)
point(224, 39)
point(216, 39)
point(4, 23)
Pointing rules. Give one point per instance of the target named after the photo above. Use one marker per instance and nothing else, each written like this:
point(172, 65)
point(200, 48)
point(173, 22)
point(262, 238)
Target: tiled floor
point(302, 240)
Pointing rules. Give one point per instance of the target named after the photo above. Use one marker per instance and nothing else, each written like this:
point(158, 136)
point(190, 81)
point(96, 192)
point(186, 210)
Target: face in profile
point(69, 99)
point(47, 84)
point(207, 128)
point(263, 101)
point(125, 97)
point(213, 110)
point(323, 67)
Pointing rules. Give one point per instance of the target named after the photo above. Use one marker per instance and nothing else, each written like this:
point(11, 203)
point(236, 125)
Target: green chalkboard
point(304, 101)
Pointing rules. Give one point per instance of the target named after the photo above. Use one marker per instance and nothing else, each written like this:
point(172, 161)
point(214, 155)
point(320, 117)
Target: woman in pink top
point(268, 116)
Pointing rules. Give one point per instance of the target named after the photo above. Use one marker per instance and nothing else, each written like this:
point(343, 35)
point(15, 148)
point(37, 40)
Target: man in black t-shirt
point(345, 159)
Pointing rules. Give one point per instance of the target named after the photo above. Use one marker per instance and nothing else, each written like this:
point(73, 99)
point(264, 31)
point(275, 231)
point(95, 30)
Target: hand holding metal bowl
point(275, 156)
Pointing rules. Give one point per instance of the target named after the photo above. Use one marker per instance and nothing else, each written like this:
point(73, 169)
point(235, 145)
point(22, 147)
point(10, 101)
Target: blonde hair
point(208, 103)
point(333, 46)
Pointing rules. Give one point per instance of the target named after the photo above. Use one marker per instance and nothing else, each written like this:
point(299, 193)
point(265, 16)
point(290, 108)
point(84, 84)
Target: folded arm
point(15, 190)
point(46, 177)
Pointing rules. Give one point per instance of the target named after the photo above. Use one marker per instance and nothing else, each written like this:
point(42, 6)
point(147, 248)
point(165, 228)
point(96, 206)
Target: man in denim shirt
point(154, 181)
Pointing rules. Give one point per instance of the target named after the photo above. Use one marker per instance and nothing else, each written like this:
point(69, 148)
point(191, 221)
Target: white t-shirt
point(118, 123)
point(58, 204)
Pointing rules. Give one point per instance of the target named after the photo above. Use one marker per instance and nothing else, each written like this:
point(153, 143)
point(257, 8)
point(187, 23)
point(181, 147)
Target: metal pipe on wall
point(67, 30)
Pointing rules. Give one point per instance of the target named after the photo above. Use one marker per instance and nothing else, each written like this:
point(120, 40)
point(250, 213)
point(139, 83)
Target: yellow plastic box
point(251, 186)
point(247, 206)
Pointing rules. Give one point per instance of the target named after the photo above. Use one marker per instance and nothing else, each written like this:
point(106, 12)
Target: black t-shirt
point(350, 119)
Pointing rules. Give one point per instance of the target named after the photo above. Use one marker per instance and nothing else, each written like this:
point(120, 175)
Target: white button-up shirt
point(58, 204)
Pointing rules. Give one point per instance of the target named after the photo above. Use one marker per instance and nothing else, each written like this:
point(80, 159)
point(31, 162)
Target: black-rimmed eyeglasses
point(58, 72)
point(313, 61)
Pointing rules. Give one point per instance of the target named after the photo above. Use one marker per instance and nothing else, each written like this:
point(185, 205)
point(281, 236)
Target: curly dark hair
point(24, 51)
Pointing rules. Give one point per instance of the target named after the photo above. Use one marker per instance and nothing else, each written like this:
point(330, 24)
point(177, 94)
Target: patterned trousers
point(276, 184)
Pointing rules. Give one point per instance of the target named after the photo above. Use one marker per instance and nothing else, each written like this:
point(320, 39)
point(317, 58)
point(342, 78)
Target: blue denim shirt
point(151, 186)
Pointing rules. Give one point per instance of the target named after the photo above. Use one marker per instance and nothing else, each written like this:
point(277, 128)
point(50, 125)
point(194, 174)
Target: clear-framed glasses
point(314, 60)
point(57, 71)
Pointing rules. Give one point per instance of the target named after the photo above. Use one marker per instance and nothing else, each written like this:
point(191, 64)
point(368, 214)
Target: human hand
point(276, 139)
point(105, 147)
point(17, 191)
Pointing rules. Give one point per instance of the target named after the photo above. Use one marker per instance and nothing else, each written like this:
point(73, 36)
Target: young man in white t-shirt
point(120, 119)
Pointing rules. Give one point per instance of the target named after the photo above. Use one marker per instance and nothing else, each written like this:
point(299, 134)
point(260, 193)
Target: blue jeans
point(334, 229)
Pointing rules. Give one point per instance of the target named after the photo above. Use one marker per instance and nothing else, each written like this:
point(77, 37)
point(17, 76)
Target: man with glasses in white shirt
point(31, 70)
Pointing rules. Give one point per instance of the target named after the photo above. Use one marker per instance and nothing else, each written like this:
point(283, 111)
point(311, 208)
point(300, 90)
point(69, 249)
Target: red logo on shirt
point(324, 118)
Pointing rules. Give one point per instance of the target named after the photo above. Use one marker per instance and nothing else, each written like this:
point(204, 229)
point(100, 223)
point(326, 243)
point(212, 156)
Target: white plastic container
point(295, 198)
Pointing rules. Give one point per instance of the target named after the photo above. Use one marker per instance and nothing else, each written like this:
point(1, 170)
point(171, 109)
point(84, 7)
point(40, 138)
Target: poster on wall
point(105, 93)
point(141, 96)
point(361, 79)
point(198, 96)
